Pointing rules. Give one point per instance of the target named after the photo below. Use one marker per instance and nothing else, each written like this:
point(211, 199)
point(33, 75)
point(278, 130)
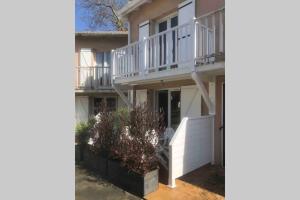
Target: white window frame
point(166, 18)
point(169, 102)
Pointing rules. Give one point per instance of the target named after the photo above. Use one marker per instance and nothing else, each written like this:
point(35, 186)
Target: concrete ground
point(90, 187)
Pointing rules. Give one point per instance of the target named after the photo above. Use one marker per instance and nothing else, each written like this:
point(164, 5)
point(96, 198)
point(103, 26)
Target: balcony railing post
point(193, 45)
point(112, 63)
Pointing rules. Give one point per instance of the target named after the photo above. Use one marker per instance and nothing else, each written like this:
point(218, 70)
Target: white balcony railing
point(180, 47)
point(93, 78)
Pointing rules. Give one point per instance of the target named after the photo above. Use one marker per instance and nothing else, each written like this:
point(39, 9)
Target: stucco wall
point(153, 11)
point(158, 9)
point(98, 44)
point(206, 6)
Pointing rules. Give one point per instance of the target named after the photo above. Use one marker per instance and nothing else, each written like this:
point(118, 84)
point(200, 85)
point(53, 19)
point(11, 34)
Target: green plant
point(82, 131)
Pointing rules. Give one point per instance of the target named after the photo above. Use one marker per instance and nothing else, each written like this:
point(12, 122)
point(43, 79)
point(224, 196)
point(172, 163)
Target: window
point(103, 68)
point(167, 42)
point(97, 105)
point(111, 103)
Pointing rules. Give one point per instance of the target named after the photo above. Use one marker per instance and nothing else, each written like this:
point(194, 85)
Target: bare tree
point(103, 13)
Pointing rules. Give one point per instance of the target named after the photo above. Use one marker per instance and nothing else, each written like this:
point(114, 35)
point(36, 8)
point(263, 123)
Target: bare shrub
point(138, 142)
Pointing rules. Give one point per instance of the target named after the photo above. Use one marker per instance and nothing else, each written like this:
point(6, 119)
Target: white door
point(141, 97)
point(86, 61)
point(143, 54)
point(167, 42)
point(81, 108)
point(186, 13)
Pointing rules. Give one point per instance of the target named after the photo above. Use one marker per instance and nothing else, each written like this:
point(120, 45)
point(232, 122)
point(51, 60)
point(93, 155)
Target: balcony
point(177, 51)
point(93, 78)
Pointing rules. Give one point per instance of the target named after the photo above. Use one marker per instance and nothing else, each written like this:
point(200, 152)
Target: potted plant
point(82, 136)
point(135, 167)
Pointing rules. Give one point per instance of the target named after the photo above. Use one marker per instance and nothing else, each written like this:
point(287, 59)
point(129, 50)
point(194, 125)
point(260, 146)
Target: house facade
point(175, 61)
point(93, 72)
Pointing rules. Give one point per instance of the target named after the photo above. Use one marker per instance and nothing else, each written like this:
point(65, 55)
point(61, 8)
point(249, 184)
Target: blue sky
point(80, 24)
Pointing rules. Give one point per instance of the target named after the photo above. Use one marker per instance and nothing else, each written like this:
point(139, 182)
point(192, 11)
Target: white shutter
point(86, 58)
point(144, 30)
point(141, 97)
point(186, 13)
point(143, 34)
point(81, 108)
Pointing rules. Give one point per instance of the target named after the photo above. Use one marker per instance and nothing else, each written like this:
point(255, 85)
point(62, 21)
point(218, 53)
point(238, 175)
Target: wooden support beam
point(121, 94)
point(204, 92)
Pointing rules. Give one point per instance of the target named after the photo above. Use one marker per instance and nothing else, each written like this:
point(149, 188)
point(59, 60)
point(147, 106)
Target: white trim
point(222, 124)
point(184, 3)
point(166, 18)
point(86, 49)
point(129, 33)
point(144, 23)
point(131, 6)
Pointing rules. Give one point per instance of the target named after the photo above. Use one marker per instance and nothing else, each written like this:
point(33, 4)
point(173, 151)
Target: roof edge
point(131, 6)
point(101, 33)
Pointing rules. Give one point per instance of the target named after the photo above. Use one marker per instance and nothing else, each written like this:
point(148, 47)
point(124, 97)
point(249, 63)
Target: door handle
point(221, 127)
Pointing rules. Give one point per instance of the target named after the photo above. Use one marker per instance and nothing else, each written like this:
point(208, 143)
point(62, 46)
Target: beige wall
point(158, 9)
point(206, 6)
point(98, 44)
point(153, 11)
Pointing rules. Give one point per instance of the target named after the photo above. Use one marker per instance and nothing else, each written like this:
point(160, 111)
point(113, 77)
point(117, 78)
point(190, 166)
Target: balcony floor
point(172, 74)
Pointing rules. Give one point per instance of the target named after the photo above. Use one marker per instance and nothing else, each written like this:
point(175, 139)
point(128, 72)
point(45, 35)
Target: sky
point(80, 24)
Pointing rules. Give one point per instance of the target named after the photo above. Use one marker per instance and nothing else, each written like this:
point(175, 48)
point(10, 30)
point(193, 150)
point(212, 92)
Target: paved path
point(205, 183)
point(88, 187)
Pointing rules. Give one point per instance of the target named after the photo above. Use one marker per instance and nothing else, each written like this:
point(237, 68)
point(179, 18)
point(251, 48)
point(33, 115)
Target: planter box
point(96, 163)
point(79, 153)
point(132, 182)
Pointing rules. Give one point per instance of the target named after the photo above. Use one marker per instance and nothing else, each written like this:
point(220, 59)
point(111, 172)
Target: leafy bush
point(82, 131)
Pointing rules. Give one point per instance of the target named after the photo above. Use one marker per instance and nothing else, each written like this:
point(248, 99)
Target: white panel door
point(143, 34)
point(190, 102)
point(141, 97)
point(81, 108)
point(86, 60)
point(186, 13)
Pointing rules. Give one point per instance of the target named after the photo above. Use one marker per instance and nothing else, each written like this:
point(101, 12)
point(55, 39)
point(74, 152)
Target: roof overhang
point(131, 6)
point(102, 34)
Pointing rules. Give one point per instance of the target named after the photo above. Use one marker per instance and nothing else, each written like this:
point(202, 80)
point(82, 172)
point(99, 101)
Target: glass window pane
point(97, 105)
point(111, 103)
point(174, 21)
point(162, 26)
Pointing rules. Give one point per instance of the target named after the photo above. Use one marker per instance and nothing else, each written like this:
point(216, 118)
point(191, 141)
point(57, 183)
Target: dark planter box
point(96, 163)
point(132, 182)
point(79, 153)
